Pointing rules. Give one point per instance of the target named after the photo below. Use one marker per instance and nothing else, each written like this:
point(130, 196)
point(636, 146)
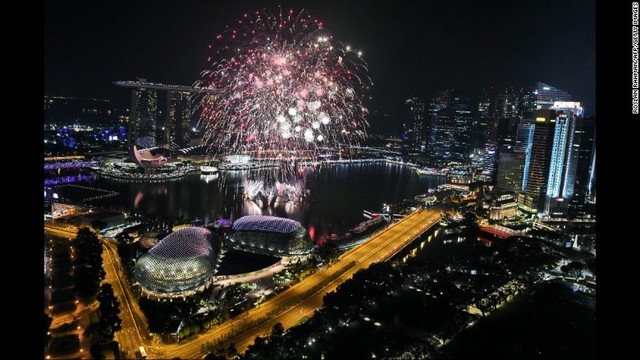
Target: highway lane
point(134, 327)
point(289, 307)
point(300, 301)
point(69, 233)
point(130, 336)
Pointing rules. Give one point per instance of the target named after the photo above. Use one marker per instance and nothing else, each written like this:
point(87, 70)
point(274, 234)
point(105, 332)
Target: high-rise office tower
point(178, 118)
point(554, 158)
point(526, 104)
point(503, 118)
point(505, 105)
point(510, 170)
point(586, 171)
point(546, 95)
point(532, 200)
point(584, 188)
point(437, 103)
point(450, 139)
point(489, 156)
point(565, 154)
point(415, 125)
point(524, 142)
point(480, 132)
point(144, 115)
point(542, 97)
point(506, 131)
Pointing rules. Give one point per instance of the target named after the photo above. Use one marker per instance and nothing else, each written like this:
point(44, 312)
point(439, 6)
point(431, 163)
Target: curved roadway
point(300, 301)
point(289, 308)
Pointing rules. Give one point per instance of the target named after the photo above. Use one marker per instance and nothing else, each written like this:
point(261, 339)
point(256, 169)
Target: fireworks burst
point(284, 86)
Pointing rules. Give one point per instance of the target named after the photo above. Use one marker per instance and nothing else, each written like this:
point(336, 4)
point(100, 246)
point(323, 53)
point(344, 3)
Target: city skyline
point(361, 179)
point(411, 49)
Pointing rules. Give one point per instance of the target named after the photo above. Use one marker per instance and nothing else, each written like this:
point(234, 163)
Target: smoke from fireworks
point(284, 86)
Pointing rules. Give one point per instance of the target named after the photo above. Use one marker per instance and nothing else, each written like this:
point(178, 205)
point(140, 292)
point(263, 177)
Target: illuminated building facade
point(178, 118)
point(564, 157)
point(555, 154)
point(181, 264)
point(144, 112)
point(584, 195)
point(510, 171)
point(542, 145)
point(503, 118)
point(450, 139)
point(542, 97)
point(526, 104)
point(489, 156)
point(524, 143)
point(546, 95)
point(270, 235)
point(481, 129)
point(503, 206)
point(415, 126)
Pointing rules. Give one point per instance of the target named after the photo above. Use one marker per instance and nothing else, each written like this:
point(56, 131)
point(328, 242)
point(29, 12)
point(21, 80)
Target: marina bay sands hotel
point(144, 117)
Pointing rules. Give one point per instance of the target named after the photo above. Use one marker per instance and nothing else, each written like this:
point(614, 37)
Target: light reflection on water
point(338, 195)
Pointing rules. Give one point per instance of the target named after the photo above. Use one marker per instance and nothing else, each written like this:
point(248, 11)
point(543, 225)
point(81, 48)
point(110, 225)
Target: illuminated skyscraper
point(542, 97)
point(439, 102)
point(526, 104)
point(505, 105)
point(584, 193)
point(489, 155)
point(415, 126)
point(503, 118)
point(524, 142)
point(481, 131)
point(450, 139)
point(144, 112)
point(555, 153)
point(565, 153)
point(546, 95)
point(532, 200)
point(178, 117)
point(510, 171)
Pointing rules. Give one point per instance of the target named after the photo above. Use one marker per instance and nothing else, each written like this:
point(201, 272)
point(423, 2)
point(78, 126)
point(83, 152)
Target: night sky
point(412, 48)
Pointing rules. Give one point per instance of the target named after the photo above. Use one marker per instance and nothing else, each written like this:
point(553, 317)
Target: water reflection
point(337, 195)
point(155, 191)
point(209, 178)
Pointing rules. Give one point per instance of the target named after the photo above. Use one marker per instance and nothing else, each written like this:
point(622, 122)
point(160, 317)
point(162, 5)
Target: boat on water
point(430, 171)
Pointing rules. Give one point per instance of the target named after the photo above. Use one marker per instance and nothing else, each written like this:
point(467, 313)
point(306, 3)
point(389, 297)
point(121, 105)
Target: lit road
point(69, 234)
point(300, 301)
point(133, 327)
point(129, 336)
point(290, 307)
